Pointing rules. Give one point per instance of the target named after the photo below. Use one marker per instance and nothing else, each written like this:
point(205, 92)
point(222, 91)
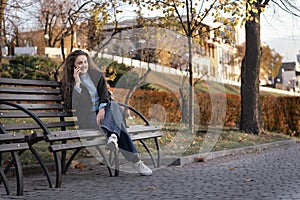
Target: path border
point(243, 150)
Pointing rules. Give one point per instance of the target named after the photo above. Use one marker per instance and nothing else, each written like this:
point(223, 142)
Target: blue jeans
point(114, 123)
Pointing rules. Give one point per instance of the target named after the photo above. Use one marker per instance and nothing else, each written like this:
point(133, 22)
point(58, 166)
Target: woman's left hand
point(100, 116)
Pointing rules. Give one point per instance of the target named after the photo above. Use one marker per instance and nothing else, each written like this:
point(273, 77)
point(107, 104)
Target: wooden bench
point(35, 109)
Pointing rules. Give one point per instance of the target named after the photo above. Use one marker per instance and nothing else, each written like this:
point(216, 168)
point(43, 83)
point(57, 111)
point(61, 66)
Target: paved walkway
point(266, 175)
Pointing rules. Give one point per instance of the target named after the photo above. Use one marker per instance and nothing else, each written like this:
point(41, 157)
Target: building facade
point(288, 77)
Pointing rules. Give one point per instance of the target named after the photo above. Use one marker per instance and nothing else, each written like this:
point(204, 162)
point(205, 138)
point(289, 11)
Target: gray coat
point(82, 103)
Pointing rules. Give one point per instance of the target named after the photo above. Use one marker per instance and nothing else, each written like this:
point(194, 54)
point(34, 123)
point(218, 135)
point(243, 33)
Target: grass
point(181, 141)
point(234, 139)
point(230, 89)
point(174, 141)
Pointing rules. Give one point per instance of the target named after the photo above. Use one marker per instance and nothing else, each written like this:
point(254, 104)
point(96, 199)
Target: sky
point(281, 32)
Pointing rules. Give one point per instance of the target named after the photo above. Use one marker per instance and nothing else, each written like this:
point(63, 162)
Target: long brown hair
point(68, 80)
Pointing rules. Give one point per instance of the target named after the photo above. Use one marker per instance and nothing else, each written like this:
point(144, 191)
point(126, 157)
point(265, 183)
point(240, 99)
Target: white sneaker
point(112, 142)
point(142, 168)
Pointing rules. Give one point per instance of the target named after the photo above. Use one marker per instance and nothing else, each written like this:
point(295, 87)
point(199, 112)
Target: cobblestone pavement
point(269, 174)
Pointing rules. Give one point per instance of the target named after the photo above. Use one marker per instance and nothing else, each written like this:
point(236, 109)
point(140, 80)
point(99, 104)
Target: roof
point(288, 66)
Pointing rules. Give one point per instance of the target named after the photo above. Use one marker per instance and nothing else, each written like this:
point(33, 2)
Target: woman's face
point(82, 63)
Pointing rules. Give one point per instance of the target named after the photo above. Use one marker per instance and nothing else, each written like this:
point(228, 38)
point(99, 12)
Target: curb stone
point(243, 150)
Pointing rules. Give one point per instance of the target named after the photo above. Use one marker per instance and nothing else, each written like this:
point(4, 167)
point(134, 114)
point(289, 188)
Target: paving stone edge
point(243, 150)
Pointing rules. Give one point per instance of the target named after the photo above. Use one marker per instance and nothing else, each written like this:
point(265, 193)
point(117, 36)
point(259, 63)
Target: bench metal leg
point(158, 152)
point(41, 162)
point(68, 163)
point(64, 168)
point(63, 159)
point(19, 173)
point(4, 179)
point(110, 163)
point(39, 159)
point(117, 162)
point(58, 169)
point(5, 182)
point(64, 164)
point(149, 152)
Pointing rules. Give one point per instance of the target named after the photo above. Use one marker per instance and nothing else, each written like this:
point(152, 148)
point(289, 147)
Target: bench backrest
point(43, 98)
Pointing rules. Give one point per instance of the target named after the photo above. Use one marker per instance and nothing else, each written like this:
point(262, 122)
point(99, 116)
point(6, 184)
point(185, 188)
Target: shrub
point(290, 110)
point(272, 117)
point(30, 67)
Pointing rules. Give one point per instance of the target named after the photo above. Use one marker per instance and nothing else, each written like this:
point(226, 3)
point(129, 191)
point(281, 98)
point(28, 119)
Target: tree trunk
point(250, 103)
point(62, 47)
point(2, 8)
point(184, 107)
point(191, 76)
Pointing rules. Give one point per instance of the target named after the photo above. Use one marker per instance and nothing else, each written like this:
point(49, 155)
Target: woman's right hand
point(76, 76)
point(100, 116)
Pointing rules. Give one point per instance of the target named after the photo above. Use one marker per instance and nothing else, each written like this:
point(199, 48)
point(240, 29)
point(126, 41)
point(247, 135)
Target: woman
point(85, 90)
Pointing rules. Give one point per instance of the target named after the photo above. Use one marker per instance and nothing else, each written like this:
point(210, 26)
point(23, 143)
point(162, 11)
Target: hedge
point(279, 114)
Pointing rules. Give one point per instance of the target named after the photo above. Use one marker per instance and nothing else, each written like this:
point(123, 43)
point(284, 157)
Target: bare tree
point(2, 8)
point(189, 16)
point(61, 19)
point(10, 23)
point(250, 100)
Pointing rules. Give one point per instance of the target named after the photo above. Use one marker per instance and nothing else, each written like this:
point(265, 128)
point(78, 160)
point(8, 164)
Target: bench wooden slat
point(11, 137)
point(13, 147)
point(142, 128)
point(10, 127)
point(142, 136)
point(75, 145)
point(23, 90)
point(10, 81)
point(20, 97)
point(145, 132)
point(34, 106)
point(39, 114)
point(73, 134)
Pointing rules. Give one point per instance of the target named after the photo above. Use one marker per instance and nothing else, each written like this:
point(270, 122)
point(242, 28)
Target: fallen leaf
point(149, 188)
point(73, 164)
point(199, 159)
point(76, 165)
point(79, 166)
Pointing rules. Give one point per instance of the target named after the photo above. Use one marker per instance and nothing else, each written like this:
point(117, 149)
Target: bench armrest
point(136, 112)
point(30, 114)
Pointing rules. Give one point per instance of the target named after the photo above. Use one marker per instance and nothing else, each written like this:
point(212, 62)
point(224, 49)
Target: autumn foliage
point(279, 114)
